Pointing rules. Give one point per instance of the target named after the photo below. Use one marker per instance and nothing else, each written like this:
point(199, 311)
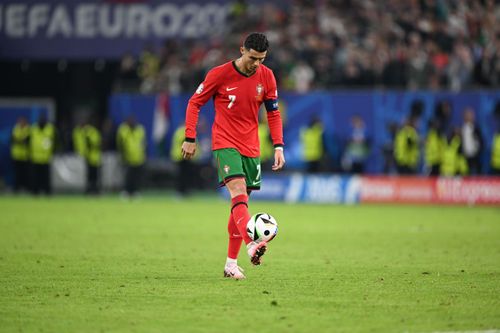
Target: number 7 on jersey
point(232, 98)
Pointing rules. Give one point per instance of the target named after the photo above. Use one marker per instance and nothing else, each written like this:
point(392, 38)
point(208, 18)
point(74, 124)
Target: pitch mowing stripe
point(487, 331)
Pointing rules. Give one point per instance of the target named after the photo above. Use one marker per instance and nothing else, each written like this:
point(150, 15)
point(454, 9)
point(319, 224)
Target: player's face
point(251, 60)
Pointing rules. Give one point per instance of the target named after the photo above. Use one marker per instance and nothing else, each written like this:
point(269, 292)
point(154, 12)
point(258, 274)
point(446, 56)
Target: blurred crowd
point(325, 44)
point(438, 148)
point(435, 148)
point(314, 45)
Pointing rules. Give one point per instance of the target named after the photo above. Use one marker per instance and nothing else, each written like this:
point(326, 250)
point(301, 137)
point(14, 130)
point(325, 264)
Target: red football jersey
point(237, 100)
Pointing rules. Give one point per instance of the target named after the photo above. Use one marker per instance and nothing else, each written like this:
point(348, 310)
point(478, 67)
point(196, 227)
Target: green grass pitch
point(73, 264)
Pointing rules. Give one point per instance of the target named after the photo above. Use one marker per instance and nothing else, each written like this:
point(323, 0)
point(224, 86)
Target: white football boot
point(256, 251)
point(234, 272)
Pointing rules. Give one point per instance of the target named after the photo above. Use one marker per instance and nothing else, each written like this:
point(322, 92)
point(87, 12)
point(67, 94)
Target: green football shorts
point(231, 164)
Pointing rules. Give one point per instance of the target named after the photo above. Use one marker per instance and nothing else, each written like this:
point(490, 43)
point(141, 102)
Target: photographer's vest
point(405, 153)
point(312, 143)
point(434, 146)
point(20, 146)
point(92, 145)
point(42, 143)
point(454, 162)
point(131, 144)
point(79, 144)
point(495, 152)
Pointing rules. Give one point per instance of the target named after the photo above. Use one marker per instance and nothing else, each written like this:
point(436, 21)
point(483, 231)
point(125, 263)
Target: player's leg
point(231, 174)
point(240, 188)
point(229, 167)
point(239, 209)
point(235, 239)
point(239, 205)
point(252, 170)
point(231, 269)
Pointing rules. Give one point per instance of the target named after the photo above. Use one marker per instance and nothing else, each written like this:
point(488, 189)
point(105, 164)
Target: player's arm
point(205, 90)
point(275, 124)
point(276, 129)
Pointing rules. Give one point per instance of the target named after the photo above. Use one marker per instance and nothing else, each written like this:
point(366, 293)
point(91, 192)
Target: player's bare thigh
point(236, 186)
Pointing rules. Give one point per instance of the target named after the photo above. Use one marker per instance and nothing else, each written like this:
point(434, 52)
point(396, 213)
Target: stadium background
point(104, 60)
point(77, 263)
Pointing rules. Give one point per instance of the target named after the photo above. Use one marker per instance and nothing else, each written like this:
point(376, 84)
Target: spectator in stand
point(420, 68)
point(302, 76)
point(460, 67)
point(487, 68)
point(170, 77)
point(239, 16)
point(417, 44)
point(149, 66)
point(127, 79)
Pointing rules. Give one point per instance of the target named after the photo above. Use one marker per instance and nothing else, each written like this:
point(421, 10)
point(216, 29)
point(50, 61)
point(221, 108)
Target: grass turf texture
point(70, 264)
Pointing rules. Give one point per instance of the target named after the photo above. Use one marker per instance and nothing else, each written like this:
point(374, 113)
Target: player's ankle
point(231, 262)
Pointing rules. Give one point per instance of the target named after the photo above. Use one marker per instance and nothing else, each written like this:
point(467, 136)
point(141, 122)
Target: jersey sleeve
point(275, 127)
point(273, 113)
point(203, 93)
point(271, 96)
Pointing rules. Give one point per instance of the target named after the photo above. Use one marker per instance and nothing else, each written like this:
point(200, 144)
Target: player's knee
point(237, 187)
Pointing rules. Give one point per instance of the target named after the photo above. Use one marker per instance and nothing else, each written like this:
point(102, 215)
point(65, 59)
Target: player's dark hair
point(256, 41)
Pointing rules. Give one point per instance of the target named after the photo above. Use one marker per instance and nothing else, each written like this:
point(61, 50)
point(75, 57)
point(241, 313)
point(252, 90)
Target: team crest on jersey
point(226, 168)
point(199, 90)
point(260, 91)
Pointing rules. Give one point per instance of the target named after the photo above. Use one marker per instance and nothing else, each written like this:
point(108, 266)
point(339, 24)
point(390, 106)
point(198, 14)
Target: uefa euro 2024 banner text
point(34, 29)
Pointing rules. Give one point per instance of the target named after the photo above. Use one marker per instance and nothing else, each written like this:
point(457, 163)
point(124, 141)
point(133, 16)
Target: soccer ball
point(262, 227)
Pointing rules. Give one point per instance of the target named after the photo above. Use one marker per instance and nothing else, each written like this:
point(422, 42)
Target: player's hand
point(279, 160)
point(188, 150)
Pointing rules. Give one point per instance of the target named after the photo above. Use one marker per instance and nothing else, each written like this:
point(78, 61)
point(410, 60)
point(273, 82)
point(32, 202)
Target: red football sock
point(239, 210)
point(235, 239)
